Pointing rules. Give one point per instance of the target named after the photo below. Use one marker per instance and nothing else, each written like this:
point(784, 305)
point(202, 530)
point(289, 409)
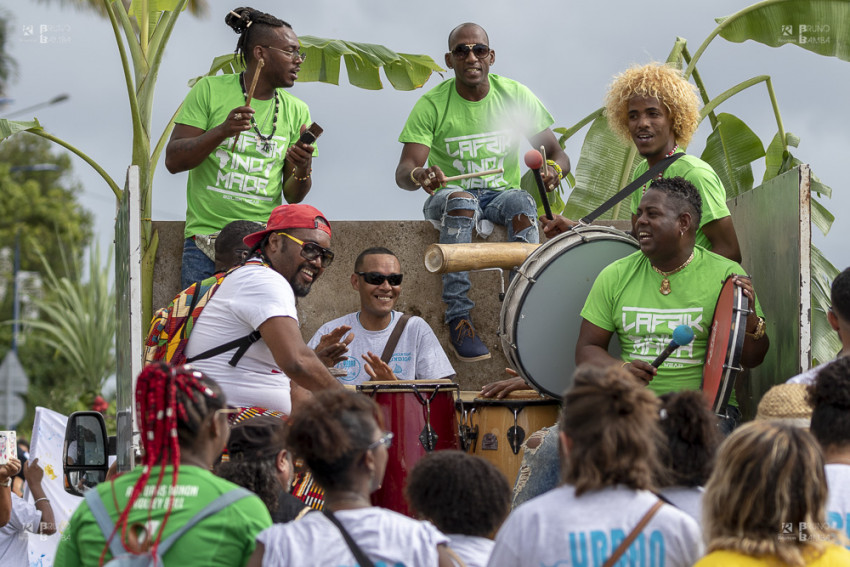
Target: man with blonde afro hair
point(657, 109)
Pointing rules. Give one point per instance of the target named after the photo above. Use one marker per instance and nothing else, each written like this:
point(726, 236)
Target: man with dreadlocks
point(242, 178)
point(183, 420)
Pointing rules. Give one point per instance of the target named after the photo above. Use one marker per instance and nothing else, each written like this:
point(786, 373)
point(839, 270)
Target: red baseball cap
point(290, 216)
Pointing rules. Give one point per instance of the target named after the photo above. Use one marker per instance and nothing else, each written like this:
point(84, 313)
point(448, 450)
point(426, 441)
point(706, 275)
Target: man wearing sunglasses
point(243, 158)
point(285, 259)
point(471, 123)
point(417, 354)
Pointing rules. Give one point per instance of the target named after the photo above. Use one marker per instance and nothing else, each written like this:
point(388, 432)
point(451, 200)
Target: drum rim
point(734, 346)
point(574, 233)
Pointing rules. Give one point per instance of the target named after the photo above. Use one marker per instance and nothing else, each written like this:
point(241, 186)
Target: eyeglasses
point(480, 50)
point(386, 440)
point(377, 278)
point(293, 54)
point(310, 250)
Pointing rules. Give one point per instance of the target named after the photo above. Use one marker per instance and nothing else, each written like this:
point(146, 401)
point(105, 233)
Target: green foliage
point(42, 203)
point(819, 26)
point(77, 327)
point(363, 61)
point(730, 149)
point(7, 63)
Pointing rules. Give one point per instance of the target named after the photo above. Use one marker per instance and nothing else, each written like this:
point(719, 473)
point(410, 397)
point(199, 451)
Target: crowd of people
point(256, 453)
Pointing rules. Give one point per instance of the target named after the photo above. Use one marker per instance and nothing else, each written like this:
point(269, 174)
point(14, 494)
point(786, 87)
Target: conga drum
point(421, 414)
point(496, 429)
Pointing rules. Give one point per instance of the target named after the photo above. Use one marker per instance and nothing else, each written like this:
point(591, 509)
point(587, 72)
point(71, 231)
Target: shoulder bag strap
point(624, 545)
point(394, 337)
point(632, 187)
point(107, 526)
point(216, 505)
point(362, 559)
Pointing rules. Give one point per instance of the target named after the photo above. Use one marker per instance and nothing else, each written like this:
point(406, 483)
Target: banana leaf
point(404, 71)
point(825, 341)
point(11, 127)
point(819, 26)
point(730, 149)
point(605, 165)
point(776, 159)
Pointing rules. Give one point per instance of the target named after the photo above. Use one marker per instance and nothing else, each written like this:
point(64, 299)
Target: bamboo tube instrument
point(442, 258)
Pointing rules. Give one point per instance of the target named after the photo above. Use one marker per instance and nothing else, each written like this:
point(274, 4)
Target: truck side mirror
point(84, 457)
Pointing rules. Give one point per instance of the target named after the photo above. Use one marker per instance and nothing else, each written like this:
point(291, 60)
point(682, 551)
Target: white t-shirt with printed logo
point(558, 528)
point(838, 503)
point(386, 537)
point(417, 356)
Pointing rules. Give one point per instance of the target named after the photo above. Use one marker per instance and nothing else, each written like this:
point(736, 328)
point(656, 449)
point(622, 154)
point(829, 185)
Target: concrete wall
point(333, 296)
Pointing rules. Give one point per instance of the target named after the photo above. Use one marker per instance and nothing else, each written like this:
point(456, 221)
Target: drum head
point(725, 344)
point(540, 317)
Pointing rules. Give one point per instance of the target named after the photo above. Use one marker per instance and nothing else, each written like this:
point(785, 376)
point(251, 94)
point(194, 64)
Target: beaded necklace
point(265, 141)
point(661, 175)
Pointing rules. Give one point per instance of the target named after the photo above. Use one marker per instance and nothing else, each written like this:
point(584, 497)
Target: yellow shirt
point(834, 556)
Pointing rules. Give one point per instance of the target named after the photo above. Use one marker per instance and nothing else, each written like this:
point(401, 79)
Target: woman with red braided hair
point(182, 416)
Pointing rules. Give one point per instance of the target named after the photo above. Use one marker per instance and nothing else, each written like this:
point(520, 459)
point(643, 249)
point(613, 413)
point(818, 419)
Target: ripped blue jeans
point(498, 207)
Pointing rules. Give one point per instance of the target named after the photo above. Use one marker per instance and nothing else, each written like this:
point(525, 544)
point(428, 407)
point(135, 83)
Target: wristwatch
point(8, 482)
point(759, 332)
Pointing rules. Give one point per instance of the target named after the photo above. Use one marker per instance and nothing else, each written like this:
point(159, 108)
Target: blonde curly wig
point(660, 81)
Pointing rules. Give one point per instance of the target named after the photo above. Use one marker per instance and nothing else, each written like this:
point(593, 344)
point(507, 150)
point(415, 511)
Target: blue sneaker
point(464, 342)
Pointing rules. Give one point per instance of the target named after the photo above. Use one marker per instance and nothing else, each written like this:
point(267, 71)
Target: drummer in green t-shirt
point(469, 124)
point(657, 109)
point(671, 281)
point(246, 178)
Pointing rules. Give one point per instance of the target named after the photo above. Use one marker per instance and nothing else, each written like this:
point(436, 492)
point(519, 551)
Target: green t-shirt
point(246, 184)
point(625, 300)
point(703, 178)
point(225, 538)
point(466, 136)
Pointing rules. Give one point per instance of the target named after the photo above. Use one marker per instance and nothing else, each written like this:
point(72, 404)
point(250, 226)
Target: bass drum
point(540, 318)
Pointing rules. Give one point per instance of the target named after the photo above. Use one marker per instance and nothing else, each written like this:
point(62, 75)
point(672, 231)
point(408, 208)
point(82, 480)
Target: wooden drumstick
point(260, 64)
point(475, 174)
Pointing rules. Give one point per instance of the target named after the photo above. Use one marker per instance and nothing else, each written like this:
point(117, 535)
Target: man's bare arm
point(295, 358)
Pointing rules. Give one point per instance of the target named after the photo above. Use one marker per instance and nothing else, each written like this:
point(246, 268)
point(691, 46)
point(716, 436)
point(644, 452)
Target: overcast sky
point(565, 52)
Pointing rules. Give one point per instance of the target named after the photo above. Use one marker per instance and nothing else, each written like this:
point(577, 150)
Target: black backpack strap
point(632, 187)
point(242, 343)
point(362, 559)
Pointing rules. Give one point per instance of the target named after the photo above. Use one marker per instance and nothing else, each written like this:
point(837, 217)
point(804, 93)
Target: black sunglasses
point(376, 278)
point(480, 50)
point(310, 250)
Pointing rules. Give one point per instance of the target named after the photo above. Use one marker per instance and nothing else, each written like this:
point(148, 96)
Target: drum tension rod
point(501, 279)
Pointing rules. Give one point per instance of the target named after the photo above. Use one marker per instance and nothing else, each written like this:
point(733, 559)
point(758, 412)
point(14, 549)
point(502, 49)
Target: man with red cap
point(284, 260)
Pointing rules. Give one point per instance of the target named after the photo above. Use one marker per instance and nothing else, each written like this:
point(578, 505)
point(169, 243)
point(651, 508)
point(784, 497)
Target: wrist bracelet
point(305, 178)
point(556, 167)
point(40, 499)
point(412, 178)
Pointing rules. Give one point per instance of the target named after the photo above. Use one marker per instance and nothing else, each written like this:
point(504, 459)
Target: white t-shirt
point(838, 503)
point(687, 499)
point(418, 354)
point(246, 299)
point(475, 551)
point(807, 377)
point(13, 540)
point(386, 537)
point(557, 528)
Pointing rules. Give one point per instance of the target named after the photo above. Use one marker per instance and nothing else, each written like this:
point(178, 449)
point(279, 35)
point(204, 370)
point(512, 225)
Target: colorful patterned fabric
point(171, 326)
